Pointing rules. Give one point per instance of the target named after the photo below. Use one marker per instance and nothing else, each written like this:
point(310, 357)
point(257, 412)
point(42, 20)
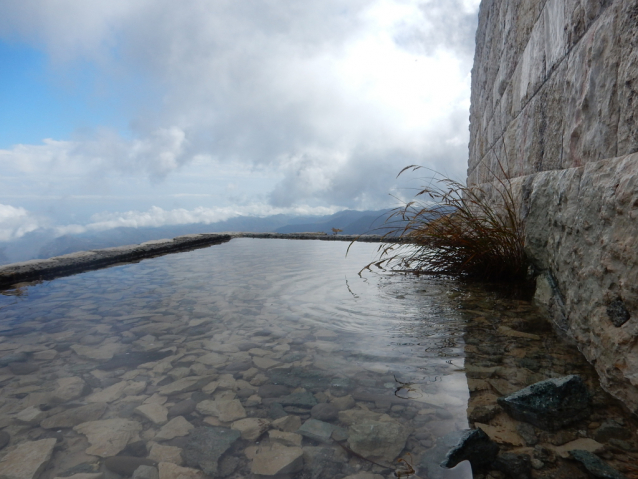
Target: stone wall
point(554, 91)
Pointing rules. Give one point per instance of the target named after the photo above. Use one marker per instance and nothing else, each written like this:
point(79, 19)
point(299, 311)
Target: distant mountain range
point(43, 244)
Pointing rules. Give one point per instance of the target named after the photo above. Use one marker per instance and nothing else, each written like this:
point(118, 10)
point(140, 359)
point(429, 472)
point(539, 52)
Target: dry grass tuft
point(458, 230)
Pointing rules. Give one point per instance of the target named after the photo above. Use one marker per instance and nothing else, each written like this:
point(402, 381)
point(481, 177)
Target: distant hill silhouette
point(349, 221)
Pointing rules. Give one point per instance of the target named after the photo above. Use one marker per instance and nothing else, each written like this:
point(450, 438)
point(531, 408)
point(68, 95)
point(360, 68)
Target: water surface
point(254, 336)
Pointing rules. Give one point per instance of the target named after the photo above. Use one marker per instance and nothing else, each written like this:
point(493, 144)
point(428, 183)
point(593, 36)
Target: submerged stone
point(73, 417)
point(299, 377)
point(302, 400)
point(474, 446)
point(550, 404)
point(280, 460)
point(595, 466)
point(126, 465)
point(514, 465)
point(206, 445)
point(132, 360)
point(378, 440)
point(317, 430)
point(28, 460)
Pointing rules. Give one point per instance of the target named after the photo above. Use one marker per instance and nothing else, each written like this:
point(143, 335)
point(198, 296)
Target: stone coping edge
point(68, 264)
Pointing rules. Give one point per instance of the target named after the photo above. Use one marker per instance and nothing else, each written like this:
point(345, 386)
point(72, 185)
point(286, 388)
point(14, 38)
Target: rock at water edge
point(550, 404)
point(474, 446)
point(595, 466)
point(28, 460)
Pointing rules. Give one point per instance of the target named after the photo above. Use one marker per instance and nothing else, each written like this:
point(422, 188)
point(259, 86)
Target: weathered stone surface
point(73, 417)
point(156, 413)
point(611, 430)
point(501, 435)
point(285, 438)
point(377, 440)
point(273, 391)
point(182, 408)
point(322, 461)
point(28, 460)
point(227, 410)
point(343, 403)
point(146, 472)
point(514, 465)
point(302, 400)
point(251, 428)
point(352, 416)
point(162, 453)
point(176, 427)
point(109, 436)
point(583, 443)
point(126, 465)
point(317, 430)
point(22, 369)
point(595, 466)
point(364, 475)
point(287, 423)
point(169, 470)
point(83, 475)
point(104, 352)
point(191, 383)
point(4, 439)
point(474, 446)
point(553, 103)
point(133, 359)
point(31, 415)
point(549, 404)
point(87, 260)
point(325, 412)
point(206, 445)
point(280, 460)
point(109, 394)
point(69, 389)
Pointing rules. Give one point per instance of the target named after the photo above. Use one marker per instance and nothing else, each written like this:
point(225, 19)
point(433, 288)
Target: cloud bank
point(330, 98)
point(16, 222)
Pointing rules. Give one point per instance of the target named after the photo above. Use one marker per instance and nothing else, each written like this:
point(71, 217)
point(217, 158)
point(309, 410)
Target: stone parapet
point(44, 269)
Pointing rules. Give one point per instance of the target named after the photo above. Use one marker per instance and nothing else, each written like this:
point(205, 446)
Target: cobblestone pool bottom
point(273, 358)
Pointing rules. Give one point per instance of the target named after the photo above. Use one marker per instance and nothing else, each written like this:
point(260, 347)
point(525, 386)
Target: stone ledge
point(68, 264)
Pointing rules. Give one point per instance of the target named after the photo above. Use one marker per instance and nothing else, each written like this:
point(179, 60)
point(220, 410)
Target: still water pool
point(262, 358)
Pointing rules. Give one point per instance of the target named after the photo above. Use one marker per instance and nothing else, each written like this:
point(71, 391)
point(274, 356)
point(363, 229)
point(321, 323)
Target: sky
point(156, 112)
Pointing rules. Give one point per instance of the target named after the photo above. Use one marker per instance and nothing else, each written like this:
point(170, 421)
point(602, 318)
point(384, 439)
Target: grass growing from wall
point(457, 230)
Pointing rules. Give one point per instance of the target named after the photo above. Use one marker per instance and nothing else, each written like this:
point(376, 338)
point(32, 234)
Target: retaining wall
point(554, 106)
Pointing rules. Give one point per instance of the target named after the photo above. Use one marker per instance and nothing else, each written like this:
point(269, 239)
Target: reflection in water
point(252, 357)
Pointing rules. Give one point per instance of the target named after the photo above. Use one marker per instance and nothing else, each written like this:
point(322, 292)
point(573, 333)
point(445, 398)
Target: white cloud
point(332, 97)
point(16, 222)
